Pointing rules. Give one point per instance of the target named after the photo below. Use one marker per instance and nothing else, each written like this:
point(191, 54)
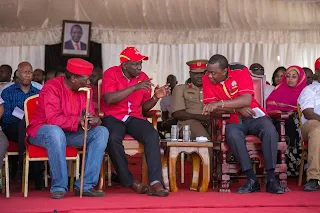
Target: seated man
point(309, 101)
point(187, 101)
point(3, 138)
point(38, 76)
point(13, 124)
point(258, 69)
point(166, 109)
point(230, 88)
point(309, 75)
point(58, 122)
point(126, 98)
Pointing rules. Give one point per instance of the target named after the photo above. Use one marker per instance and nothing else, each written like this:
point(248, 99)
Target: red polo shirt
point(239, 82)
point(114, 80)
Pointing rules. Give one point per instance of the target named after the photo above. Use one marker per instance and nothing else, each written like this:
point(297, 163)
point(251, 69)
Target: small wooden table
point(199, 152)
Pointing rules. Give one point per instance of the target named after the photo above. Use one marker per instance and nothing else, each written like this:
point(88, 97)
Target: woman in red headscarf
point(284, 98)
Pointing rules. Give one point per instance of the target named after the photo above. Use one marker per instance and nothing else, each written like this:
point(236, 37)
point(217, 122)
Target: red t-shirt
point(114, 80)
point(60, 106)
point(239, 82)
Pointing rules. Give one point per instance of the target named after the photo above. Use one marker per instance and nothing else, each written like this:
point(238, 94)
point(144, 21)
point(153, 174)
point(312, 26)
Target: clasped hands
point(216, 106)
point(159, 92)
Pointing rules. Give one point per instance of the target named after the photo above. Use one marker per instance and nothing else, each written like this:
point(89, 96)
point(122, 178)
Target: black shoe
point(90, 193)
point(312, 185)
point(249, 186)
point(115, 178)
point(57, 194)
point(274, 187)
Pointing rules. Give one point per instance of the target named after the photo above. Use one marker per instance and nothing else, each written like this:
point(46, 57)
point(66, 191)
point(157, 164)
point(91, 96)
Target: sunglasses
point(258, 68)
point(291, 76)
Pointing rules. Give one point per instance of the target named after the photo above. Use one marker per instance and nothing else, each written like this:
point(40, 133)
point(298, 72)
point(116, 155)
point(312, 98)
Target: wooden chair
point(12, 150)
point(304, 149)
point(131, 148)
point(37, 153)
point(253, 144)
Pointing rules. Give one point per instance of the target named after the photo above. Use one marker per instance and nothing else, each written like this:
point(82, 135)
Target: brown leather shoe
point(140, 188)
point(157, 189)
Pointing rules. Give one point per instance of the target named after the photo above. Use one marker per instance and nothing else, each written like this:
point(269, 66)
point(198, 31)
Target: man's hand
point(161, 92)
point(211, 107)
point(247, 112)
point(92, 121)
point(146, 84)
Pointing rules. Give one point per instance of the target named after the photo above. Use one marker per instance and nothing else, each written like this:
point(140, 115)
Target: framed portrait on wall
point(76, 38)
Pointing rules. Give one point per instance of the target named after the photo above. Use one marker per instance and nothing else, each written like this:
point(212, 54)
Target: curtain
point(15, 54)
point(165, 59)
point(54, 59)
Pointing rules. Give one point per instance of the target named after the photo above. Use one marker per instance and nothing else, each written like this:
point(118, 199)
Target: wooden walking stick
point(84, 149)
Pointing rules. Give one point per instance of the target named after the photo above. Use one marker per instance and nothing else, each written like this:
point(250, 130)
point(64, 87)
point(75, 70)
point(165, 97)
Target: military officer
point(187, 101)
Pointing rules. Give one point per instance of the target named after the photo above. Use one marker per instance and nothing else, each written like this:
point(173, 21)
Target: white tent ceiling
point(34, 22)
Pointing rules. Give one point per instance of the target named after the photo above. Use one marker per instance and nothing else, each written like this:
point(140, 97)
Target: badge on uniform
point(233, 83)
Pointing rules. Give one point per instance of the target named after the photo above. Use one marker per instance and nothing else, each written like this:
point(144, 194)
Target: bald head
point(25, 73)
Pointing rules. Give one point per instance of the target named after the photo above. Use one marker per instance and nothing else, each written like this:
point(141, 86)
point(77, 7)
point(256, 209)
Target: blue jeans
point(55, 140)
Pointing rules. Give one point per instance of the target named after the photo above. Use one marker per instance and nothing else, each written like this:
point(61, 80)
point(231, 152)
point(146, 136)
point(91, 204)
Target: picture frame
point(76, 38)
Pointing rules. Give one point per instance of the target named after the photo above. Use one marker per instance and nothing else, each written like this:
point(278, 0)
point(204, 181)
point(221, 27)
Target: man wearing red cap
point(58, 122)
point(126, 98)
point(187, 101)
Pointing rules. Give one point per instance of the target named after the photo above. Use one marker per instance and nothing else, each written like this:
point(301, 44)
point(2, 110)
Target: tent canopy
point(35, 22)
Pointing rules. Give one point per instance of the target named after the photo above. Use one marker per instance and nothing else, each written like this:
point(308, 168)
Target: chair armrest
point(153, 114)
point(277, 114)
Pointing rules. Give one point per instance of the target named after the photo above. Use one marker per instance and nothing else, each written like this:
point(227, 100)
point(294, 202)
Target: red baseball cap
point(79, 66)
point(131, 54)
point(317, 64)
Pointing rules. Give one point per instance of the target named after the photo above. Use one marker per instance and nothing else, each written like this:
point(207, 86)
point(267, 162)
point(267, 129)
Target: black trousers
point(261, 127)
point(142, 131)
point(16, 133)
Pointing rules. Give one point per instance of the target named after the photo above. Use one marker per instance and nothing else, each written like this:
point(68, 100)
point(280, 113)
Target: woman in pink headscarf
point(284, 98)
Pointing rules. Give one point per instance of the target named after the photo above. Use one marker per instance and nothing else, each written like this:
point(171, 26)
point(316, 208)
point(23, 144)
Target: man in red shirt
point(126, 98)
point(230, 88)
point(58, 122)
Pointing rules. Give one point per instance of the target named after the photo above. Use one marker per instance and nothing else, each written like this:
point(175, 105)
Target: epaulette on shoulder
point(236, 66)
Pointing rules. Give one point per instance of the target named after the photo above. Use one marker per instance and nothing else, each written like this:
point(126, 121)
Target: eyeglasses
point(291, 76)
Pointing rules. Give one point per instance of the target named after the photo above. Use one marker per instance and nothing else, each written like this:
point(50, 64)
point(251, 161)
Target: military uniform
point(189, 97)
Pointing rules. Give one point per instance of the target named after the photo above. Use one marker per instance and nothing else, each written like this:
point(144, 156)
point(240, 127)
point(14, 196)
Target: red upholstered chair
point(37, 153)
point(131, 147)
point(253, 144)
point(12, 150)
point(304, 149)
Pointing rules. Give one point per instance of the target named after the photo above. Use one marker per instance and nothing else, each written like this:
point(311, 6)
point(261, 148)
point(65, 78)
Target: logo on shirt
point(233, 83)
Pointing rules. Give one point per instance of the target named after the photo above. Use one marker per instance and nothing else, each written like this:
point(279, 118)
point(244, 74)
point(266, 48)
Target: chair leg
point(101, 183)
point(164, 162)
point(77, 166)
point(3, 181)
point(72, 176)
point(7, 176)
point(225, 178)
point(205, 156)
point(109, 170)
point(26, 174)
point(173, 154)
point(182, 167)
point(46, 174)
point(23, 172)
point(195, 171)
point(144, 170)
point(301, 168)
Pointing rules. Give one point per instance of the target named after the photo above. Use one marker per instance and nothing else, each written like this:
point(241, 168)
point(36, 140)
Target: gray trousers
point(3, 147)
point(261, 127)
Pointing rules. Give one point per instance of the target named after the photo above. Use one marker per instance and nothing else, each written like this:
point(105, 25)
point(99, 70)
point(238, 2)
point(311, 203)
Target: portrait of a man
point(76, 38)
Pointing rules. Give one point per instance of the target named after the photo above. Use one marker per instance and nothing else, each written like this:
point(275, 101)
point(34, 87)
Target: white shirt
point(310, 98)
point(268, 90)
